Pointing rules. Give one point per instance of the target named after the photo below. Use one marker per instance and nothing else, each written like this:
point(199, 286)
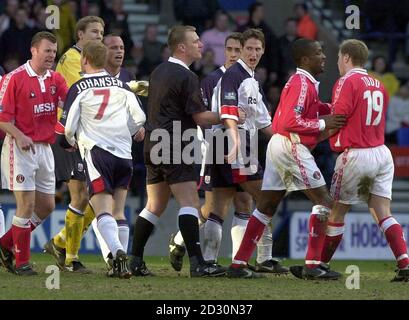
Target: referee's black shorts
point(68, 165)
point(169, 172)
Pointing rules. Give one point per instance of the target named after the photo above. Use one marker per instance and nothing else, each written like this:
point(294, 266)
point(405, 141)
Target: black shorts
point(68, 165)
point(106, 172)
point(169, 172)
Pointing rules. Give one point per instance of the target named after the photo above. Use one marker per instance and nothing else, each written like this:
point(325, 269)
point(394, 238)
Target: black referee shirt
point(174, 95)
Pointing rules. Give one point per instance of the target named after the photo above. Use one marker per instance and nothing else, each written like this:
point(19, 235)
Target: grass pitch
point(374, 283)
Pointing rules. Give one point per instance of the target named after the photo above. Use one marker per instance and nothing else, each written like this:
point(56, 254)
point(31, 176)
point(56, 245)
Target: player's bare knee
point(337, 217)
point(79, 201)
point(205, 211)
point(47, 207)
point(156, 208)
point(243, 206)
point(267, 209)
point(192, 202)
point(25, 209)
point(119, 215)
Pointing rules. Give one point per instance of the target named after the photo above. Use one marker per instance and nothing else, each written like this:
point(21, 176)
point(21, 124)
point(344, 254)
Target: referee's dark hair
point(177, 35)
point(35, 41)
point(302, 48)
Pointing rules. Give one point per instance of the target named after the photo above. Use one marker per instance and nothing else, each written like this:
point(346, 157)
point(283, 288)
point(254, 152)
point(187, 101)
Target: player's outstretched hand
point(25, 143)
point(335, 121)
point(140, 135)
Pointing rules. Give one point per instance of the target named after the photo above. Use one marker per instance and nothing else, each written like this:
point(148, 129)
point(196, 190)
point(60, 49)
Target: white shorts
point(361, 172)
point(25, 171)
point(290, 166)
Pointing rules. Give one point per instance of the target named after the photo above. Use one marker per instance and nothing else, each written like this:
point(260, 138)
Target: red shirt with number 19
point(31, 101)
point(363, 99)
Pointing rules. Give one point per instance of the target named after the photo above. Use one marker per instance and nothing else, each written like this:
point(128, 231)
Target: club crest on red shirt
point(298, 109)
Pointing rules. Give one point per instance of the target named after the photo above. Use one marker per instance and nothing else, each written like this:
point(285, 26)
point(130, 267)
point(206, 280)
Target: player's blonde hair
point(177, 35)
point(357, 50)
point(95, 52)
point(83, 23)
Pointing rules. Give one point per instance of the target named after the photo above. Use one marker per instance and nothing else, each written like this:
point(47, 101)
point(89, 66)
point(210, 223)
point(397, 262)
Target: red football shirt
point(31, 101)
point(363, 99)
point(297, 115)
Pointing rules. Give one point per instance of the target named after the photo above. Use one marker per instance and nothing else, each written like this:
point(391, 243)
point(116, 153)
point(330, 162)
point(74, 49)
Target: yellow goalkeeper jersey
point(69, 65)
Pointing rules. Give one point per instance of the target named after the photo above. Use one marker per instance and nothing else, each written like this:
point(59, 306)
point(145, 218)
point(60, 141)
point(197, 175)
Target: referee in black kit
point(174, 101)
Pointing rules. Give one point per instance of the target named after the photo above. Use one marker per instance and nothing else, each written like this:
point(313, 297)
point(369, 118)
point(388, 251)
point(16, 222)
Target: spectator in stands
point(7, 17)
point(138, 58)
point(165, 53)
point(33, 8)
point(94, 9)
point(116, 22)
point(271, 55)
point(11, 63)
point(287, 65)
point(66, 33)
point(382, 71)
point(306, 26)
point(195, 13)
point(16, 40)
point(206, 65)
point(151, 46)
point(215, 37)
point(398, 113)
point(273, 98)
point(40, 20)
point(261, 75)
